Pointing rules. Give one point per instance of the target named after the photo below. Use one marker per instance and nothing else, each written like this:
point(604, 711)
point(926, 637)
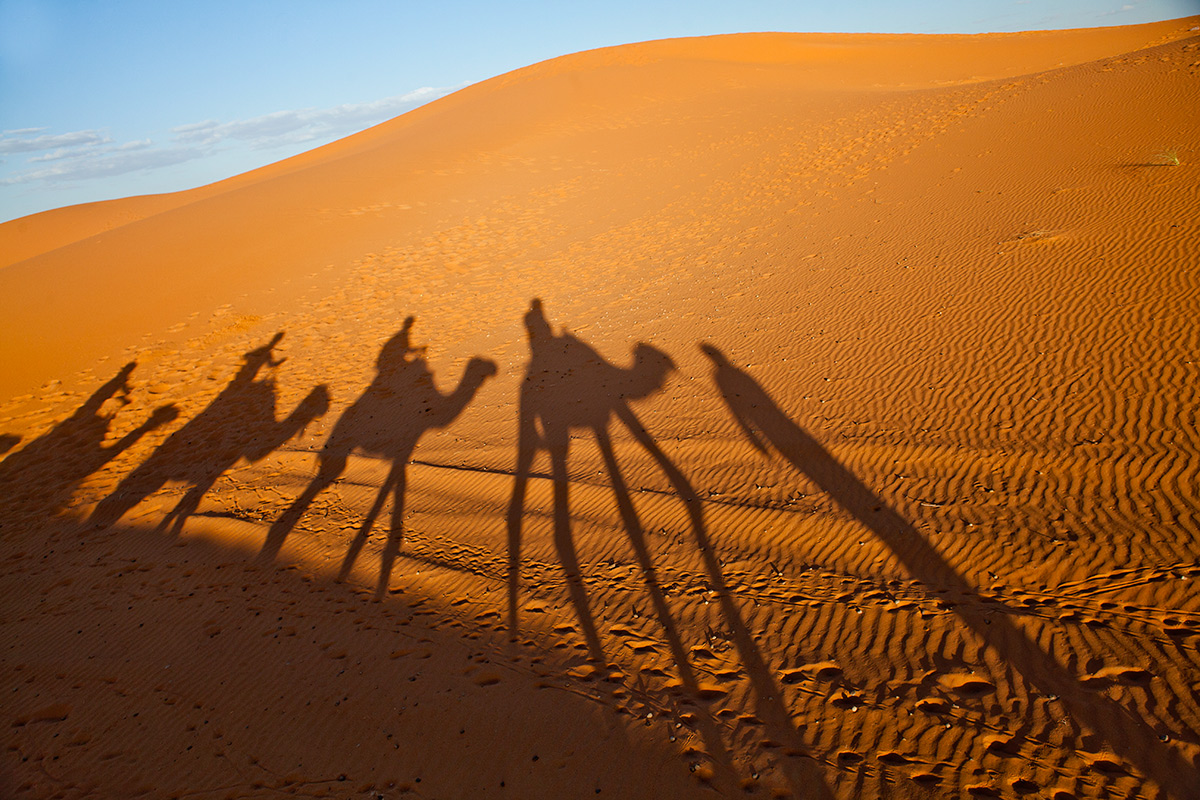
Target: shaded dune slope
point(776, 415)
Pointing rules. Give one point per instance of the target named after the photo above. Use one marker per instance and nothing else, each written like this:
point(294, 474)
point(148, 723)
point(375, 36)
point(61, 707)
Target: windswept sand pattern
point(860, 417)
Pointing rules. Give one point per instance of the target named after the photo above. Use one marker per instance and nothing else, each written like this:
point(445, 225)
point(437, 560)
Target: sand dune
point(773, 415)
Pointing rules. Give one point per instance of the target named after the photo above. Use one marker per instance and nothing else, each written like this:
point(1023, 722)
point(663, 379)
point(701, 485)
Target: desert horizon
point(763, 414)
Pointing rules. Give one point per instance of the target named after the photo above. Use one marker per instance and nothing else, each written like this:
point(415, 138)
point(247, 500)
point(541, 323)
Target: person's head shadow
point(41, 477)
point(569, 386)
point(239, 423)
point(769, 429)
point(387, 421)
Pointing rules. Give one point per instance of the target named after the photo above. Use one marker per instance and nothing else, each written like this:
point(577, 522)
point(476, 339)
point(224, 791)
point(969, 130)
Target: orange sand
point(780, 415)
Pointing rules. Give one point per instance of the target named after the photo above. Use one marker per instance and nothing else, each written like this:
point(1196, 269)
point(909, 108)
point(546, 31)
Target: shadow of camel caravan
point(387, 420)
point(768, 428)
point(41, 477)
point(568, 386)
point(238, 424)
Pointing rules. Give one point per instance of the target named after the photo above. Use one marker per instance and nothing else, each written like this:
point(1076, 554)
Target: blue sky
point(109, 99)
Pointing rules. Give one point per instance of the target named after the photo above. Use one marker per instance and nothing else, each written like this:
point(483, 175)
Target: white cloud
point(20, 141)
point(1127, 7)
point(91, 154)
point(306, 124)
point(107, 165)
point(83, 152)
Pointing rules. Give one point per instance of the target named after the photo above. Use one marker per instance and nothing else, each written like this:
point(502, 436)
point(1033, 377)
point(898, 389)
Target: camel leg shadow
point(565, 545)
point(364, 530)
point(330, 470)
point(186, 507)
point(398, 479)
point(726, 778)
point(803, 771)
point(526, 450)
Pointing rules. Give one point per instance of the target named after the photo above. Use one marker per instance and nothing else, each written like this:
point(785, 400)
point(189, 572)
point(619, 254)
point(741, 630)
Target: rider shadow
point(239, 423)
point(41, 477)
point(387, 421)
point(760, 418)
point(568, 385)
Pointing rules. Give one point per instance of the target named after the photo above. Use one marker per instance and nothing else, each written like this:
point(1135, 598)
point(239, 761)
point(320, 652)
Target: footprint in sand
point(1107, 764)
point(821, 671)
point(1107, 676)
point(1024, 786)
point(847, 699)
point(933, 705)
point(893, 758)
point(966, 684)
point(1000, 743)
point(702, 691)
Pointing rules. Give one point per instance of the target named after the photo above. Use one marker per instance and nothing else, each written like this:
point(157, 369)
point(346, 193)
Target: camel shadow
point(238, 424)
point(764, 423)
point(42, 476)
point(569, 385)
point(387, 420)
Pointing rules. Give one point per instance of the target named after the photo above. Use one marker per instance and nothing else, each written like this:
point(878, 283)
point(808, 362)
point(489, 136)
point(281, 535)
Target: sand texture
point(771, 415)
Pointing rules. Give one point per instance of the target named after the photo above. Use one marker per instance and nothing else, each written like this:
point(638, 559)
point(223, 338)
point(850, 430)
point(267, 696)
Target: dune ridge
point(839, 439)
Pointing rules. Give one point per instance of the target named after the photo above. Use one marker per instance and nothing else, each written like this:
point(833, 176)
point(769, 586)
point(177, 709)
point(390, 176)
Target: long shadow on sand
point(568, 385)
point(761, 419)
point(41, 477)
point(239, 423)
point(388, 420)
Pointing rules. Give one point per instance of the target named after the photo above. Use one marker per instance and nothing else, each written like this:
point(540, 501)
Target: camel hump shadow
point(42, 476)
point(401, 403)
point(568, 384)
point(239, 423)
point(387, 420)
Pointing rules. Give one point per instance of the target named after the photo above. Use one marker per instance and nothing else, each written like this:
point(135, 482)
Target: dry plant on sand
point(1168, 157)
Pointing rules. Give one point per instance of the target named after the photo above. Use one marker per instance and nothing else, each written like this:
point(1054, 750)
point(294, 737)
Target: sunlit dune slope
point(122, 269)
point(822, 61)
point(817, 414)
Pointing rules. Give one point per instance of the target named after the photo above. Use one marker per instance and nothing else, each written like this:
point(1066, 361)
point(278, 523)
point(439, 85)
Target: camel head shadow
point(568, 384)
point(386, 421)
